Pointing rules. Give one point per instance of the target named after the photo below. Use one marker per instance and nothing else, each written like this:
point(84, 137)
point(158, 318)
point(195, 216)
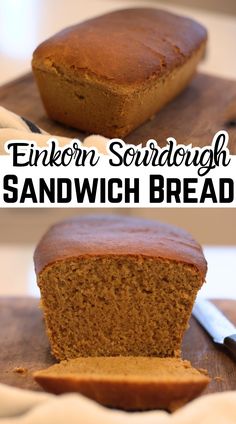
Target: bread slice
point(110, 74)
point(117, 286)
point(130, 383)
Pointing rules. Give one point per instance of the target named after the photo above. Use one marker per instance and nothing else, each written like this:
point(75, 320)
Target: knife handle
point(230, 343)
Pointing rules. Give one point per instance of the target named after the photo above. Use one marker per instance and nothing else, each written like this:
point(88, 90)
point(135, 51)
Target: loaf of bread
point(110, 74)
point(130, 383)
point(115, 285)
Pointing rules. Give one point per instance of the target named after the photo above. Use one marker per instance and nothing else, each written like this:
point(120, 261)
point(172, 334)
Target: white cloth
point(14, 127)
point(25, 407)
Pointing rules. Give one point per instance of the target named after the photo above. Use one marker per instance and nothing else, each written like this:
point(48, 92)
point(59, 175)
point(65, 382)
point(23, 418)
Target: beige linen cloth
point(25, 407)
point(15, 127)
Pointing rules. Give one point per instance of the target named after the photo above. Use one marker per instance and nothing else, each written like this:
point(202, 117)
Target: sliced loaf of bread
point(117, 286)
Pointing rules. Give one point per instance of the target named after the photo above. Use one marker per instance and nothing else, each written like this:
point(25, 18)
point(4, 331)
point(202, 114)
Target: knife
point(216, 324)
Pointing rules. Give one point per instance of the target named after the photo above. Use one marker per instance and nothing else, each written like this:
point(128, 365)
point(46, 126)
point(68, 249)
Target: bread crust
point(127, 396)
point(127, 392)
point(124, 47)
point(114, 235)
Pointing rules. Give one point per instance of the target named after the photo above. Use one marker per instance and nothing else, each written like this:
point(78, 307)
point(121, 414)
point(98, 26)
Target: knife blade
point(216, 324)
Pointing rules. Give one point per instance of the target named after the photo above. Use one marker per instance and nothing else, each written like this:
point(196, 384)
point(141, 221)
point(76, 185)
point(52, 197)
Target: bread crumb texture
point(117, 305)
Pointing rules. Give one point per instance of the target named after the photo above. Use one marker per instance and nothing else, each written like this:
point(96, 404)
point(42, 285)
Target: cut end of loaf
point(117, 305)
point(131, 383)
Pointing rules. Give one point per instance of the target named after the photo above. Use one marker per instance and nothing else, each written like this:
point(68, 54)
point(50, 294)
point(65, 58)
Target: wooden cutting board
point(24, 345)
point(206, 106)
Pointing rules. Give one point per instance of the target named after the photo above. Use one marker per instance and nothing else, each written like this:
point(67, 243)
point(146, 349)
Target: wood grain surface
point(206, 106)
point(24, 344)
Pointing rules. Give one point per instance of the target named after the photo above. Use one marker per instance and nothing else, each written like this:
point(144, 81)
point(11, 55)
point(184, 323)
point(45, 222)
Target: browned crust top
point(114, 235)
point(124, 47)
